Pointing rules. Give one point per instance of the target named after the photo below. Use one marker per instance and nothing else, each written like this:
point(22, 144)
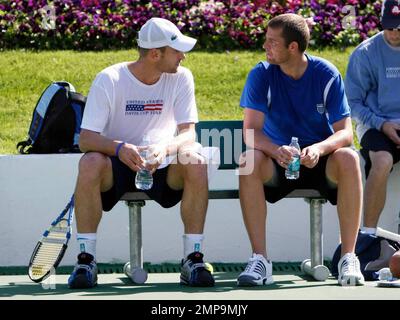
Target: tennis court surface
point(165, 286)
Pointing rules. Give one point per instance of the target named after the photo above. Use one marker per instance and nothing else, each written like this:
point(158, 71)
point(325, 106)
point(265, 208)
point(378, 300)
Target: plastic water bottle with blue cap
point(293, 170)
point(144, 178)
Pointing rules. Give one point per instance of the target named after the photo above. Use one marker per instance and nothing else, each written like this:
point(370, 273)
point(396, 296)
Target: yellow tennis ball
point(208, 267)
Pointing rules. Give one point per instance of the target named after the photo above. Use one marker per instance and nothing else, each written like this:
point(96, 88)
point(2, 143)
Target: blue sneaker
point(194, 272)
point(85, 273)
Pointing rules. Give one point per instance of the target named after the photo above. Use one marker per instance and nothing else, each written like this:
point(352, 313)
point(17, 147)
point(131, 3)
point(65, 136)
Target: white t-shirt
point(120, 107)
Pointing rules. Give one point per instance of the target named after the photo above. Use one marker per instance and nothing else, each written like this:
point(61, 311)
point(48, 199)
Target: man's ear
point(155, 54)
point(293, 46)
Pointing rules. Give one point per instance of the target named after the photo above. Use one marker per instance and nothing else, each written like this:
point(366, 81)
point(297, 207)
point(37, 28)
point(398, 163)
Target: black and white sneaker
point(194, 272)
point(84, 275)
point(258, 272)
point(349, 271)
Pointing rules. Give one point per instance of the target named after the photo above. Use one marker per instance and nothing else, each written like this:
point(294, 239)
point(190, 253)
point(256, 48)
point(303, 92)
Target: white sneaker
point(349, 271)
point(258, 272)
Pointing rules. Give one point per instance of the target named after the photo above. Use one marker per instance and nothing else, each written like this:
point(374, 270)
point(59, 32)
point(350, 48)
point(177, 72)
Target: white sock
point(192, 243)
point(87, 243)
point(368, 230)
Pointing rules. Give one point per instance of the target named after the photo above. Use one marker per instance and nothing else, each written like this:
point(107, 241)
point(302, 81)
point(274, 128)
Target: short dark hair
point(143, 52)
point(294, 28)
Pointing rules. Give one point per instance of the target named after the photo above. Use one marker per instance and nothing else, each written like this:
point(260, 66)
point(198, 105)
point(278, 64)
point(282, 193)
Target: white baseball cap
point(158, 32)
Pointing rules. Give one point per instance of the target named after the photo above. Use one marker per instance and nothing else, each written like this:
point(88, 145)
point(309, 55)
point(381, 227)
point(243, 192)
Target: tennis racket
point(51, 247)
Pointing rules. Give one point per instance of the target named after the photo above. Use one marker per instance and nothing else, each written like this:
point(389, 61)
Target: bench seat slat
point(227, 194)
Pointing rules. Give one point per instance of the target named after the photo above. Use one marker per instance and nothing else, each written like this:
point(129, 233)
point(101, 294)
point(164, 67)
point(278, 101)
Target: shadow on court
point(165, 286)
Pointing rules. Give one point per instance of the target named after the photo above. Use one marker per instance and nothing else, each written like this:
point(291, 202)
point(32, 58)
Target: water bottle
point(293, 170)
point(144, 178)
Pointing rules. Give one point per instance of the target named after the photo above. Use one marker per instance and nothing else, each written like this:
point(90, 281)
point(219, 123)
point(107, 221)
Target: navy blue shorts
point(124, 181)
point(375, 140)
point(314, 178)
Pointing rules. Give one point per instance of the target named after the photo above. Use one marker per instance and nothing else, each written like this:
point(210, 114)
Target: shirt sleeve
point(359, 83)
point(185, 109)
point(254, 94)
point(98, 106)
point(336, 101)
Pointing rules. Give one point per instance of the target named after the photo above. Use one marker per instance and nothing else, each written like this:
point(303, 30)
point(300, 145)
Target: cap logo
point(174, 37)
point(395, 10)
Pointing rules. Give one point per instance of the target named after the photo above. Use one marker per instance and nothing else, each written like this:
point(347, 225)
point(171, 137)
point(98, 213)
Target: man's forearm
point(93, 141)
point(363, 114)
point(184, 138)
point(258, 140)
point(340, 139)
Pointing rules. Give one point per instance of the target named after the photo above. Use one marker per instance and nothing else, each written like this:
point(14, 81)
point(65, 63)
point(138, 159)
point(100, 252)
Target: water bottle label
point(295, 164)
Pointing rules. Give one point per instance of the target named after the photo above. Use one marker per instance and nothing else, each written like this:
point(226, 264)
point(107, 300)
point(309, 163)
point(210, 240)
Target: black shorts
point(314, 178)
point(124, 181)
point(375, 140)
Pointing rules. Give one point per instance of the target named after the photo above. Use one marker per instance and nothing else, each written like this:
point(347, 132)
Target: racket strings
point(45, 258)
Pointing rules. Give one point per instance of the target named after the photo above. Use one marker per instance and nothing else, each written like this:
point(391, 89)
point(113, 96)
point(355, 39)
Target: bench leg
point(315, 267)
point(134, 268)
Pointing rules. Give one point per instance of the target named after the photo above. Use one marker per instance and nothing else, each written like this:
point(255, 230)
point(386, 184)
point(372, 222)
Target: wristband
point(118, 148)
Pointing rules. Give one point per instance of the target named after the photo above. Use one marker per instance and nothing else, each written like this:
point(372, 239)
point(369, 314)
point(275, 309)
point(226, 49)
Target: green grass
point(219, 79)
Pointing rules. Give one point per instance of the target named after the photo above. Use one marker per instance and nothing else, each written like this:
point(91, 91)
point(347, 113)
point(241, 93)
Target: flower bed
point(218, 25)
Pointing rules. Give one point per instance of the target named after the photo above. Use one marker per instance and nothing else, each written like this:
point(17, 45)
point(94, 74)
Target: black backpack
point(56, 121)
point(373, 252)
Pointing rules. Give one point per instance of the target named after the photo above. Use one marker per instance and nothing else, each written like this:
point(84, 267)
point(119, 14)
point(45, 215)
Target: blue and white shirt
point(305, 108)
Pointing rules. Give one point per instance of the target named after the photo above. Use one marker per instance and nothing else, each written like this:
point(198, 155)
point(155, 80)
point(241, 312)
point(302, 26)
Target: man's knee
point(195, 172)
point(93, 165)
point(346, 160)
point(254, 163)
point(381, 162)
point(191, 167)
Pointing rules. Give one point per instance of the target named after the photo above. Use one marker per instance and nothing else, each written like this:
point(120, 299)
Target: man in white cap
point(373, 89)
point(149, 99)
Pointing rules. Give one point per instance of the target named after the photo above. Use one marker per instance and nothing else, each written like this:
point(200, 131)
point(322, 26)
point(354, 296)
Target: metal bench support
point(315, 266)
point(134, 268)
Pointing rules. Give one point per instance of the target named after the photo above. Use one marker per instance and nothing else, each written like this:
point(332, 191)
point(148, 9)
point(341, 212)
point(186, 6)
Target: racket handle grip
point(387, 234)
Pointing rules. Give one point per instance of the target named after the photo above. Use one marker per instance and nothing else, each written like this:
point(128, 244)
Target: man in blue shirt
point(373, 89)
point(295, 94)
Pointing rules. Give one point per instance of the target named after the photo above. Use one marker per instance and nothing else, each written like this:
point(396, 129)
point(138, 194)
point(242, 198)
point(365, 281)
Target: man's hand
point(284, 155)
point(390, 129)
point(309, 156)
point(129, 154)
point(190, 153)
point(156, 154)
